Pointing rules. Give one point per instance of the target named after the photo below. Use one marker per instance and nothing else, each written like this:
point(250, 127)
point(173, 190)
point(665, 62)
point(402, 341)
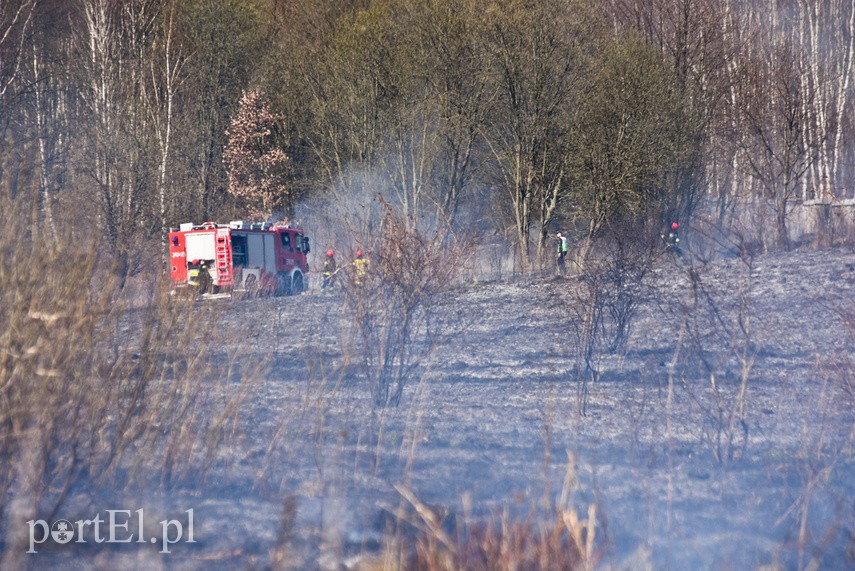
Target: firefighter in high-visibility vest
point(563, 248)
point(360, 265)
point(672, 239)
point(193, 273)
point(198, 276)
point(329, 270)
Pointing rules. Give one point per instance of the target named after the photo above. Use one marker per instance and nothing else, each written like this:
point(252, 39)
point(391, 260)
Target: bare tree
point(452, 53)
point(112, 48)
point(46, 113)
point(350, 91)
point(716, 46)
point(527, 130)
point(822, 37)
point(15, 22)
point(774, 116)
point(97, 44)
point(166, 77)
point(223, 42)
point(700, 38)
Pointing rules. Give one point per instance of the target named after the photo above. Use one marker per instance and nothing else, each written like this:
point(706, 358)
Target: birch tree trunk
point(13, 35)
point(165, 80)
point(99, 67)
point(844, 102)
point(42, 134)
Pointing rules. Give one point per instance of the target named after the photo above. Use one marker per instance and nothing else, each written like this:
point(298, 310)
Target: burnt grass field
point(719, 437)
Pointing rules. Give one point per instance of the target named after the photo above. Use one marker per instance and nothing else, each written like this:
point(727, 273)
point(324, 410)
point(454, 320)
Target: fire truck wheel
point(282, 283)
point(297, 283)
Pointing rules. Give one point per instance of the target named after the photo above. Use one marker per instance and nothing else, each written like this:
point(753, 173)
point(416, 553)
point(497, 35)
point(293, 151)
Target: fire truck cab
point(248, 258)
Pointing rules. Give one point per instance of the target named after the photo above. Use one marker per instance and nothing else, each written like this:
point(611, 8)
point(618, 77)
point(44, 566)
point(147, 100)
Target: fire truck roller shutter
point(200, 246)
point(269, 253)
point(255, 250)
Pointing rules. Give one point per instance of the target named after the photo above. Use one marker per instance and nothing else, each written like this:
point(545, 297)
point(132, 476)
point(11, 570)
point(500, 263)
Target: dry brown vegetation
point(553, 538)
point(97, 393)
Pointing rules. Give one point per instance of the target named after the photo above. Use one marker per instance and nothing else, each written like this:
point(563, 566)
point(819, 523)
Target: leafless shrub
point(718, 336)
point(585, 306)
point(816, 526)
point(393, 306)
point(624, 272)
point(602, 306)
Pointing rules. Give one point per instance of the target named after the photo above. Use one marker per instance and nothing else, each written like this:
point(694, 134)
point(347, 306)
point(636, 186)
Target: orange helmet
point(359, 253)
point(330, 253)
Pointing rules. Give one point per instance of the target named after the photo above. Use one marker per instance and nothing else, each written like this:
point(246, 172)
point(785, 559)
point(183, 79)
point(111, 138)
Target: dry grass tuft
point(559, 539)
point(565, 541)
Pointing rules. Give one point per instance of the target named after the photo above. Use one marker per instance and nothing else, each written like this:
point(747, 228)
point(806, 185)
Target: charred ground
point(499, 419)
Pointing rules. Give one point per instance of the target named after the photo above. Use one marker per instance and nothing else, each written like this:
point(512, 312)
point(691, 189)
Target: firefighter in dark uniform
point(198, 276)
point(672, 239)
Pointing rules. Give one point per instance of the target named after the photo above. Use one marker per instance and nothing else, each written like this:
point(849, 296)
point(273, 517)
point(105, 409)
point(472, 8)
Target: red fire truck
point(246, 258)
